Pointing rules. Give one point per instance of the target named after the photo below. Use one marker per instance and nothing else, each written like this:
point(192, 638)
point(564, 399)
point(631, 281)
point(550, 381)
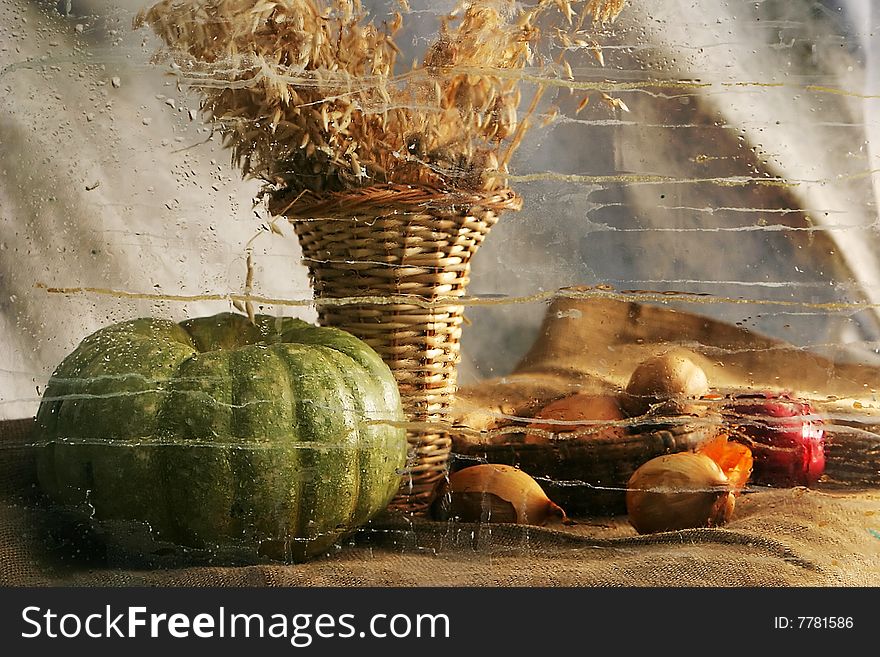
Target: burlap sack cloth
point(829, 536)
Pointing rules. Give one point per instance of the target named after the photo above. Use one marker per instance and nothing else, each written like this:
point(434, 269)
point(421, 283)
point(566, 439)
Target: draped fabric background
point(746, 170)
point(745, 174)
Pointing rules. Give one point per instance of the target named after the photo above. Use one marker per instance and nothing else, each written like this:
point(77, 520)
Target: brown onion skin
point(492, 492)
point(671, 380)
point(678, 491)
point(597, 412)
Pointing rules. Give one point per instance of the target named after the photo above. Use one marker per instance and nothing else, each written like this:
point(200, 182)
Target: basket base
point(430, 467)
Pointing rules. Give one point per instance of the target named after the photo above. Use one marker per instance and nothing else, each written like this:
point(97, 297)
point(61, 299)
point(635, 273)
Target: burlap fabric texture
point(790, 537)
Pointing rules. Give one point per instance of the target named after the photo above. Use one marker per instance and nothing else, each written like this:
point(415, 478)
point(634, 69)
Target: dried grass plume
point(309, 96)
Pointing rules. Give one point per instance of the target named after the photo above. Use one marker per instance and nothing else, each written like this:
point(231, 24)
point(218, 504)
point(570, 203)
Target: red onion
point(787, 438)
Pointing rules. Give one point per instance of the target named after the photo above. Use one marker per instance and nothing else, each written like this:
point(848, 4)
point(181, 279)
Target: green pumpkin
point(216, 433)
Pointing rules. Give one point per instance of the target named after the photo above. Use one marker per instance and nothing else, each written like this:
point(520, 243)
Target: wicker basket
point(387, 264)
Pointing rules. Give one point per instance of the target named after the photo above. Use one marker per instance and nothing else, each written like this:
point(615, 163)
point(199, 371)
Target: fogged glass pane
point(620, 257)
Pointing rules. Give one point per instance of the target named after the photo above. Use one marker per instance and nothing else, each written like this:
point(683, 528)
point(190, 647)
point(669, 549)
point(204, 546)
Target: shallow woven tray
point(587, 475)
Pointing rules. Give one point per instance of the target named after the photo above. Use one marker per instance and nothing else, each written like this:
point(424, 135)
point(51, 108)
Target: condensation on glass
point(726, 167)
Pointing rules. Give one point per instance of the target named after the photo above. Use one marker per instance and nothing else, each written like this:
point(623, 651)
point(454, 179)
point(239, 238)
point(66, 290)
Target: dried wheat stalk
point(307, 96)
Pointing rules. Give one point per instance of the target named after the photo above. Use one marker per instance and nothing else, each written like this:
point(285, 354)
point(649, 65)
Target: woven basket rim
point(684, 434)
point(382, 199)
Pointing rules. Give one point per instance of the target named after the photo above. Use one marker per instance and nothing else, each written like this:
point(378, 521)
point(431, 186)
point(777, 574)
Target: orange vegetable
point(578, 415)
point(734, 459)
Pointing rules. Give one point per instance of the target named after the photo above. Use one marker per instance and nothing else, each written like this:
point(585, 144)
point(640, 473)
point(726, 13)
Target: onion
point(785, 435)
point(678, 491)
point(579, 416)
point(492, 492)
point(672, 381)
